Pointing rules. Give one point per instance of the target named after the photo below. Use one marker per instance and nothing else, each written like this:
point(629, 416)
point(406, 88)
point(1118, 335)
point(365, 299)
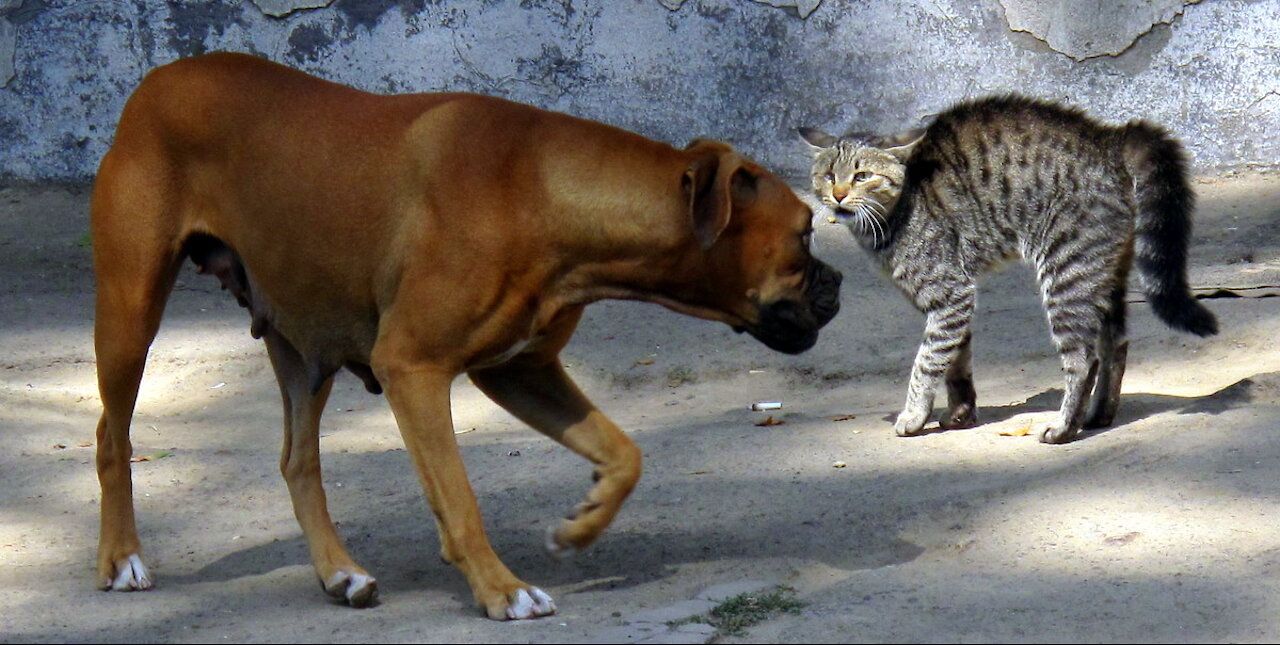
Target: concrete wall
point(740, 70)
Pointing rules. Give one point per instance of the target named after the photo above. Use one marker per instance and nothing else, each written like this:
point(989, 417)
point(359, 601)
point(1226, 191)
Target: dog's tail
point(1163, 194)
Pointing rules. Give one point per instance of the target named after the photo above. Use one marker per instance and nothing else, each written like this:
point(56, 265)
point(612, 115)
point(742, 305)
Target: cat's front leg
point(946, 337)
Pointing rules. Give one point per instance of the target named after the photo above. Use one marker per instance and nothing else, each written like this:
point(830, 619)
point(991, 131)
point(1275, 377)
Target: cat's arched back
point(1014, 177)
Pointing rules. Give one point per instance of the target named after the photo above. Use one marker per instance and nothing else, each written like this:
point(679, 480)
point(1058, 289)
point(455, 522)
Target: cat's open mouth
point(842, 215)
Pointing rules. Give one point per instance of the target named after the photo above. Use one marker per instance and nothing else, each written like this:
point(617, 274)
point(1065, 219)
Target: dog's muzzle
point(791, 326)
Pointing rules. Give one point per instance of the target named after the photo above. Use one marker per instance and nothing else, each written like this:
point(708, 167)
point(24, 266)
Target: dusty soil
point(1162, 528)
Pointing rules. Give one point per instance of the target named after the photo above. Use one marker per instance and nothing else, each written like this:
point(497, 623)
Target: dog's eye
point(862, 176)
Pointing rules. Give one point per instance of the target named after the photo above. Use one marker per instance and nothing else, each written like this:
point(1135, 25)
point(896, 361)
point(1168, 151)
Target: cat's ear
point(817, 139)
point(901, 145)
point(715, 179)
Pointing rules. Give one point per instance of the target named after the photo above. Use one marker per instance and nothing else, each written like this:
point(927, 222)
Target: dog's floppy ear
point(716, 179)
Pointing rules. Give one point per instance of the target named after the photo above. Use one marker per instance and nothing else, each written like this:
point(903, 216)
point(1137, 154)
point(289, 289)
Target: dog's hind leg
point(339, 575)
point(136, 257)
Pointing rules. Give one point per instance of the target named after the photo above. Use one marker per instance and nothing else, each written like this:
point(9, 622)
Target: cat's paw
point(909, 425)
point(959, 417)
point(1058, 434)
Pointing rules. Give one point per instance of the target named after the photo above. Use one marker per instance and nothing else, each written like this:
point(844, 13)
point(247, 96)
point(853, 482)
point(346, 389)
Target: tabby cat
point(1005, 177)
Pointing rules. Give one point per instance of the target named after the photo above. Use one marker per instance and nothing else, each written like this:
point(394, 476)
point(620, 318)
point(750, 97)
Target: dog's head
point(754, 233)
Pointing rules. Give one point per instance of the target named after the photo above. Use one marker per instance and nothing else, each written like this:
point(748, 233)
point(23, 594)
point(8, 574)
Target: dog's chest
point(518, 347)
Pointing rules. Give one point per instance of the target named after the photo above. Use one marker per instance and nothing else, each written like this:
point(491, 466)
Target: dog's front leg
point(419, 397)
point(537, 390)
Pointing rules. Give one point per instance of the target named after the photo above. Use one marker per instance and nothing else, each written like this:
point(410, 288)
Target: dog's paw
point(130, 575)
point(530, 603)
point(558, 551)
point(356, 587)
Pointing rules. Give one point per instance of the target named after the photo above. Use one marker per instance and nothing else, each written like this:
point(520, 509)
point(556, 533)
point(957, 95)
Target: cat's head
point(860, 176)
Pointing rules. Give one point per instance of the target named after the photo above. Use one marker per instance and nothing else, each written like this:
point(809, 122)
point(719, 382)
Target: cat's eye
point(830, 177)
point(862, 176)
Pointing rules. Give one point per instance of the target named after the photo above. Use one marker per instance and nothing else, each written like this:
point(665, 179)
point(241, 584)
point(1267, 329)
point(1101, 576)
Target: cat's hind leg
point(1076, 302)
point(946, 338)
point(962, 398)
point(1113, 350)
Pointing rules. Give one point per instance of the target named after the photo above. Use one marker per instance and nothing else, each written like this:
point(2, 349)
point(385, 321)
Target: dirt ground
point(1162, 528)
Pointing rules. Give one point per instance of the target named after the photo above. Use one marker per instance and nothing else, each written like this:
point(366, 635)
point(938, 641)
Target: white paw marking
point(542, 602)
point(132, 576)
point(349, 585)
point(357, 584)
point(522, 607)
point(531, 603)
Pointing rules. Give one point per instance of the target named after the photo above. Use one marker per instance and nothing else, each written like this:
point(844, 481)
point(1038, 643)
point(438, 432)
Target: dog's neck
point(626, 245)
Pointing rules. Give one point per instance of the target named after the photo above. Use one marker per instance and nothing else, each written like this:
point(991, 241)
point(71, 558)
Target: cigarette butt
point(766, 405)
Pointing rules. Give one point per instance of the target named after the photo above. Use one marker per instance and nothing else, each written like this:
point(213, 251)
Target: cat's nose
point(839, 194)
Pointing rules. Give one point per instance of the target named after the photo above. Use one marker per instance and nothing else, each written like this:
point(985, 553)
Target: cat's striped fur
point(1006, 177)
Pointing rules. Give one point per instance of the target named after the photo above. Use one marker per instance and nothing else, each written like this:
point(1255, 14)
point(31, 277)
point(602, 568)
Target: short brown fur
point(413, 238)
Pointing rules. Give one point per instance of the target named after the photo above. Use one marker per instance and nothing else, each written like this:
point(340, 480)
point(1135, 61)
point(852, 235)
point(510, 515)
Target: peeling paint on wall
point(281, 8)
point(8, 45)
point(306, 42)
point(1084, 29)
point(193, 24)
point(803, 7)
point(744, 72)
point(367, 13)
point(8, 38)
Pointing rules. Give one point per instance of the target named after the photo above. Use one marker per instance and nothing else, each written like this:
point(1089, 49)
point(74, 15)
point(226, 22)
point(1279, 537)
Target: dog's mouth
point(791, 326)
point(788, 341)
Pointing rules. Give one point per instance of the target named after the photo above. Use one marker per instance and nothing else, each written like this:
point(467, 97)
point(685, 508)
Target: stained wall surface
point(746, 71)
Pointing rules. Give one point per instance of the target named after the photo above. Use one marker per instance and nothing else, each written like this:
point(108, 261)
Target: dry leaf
point(844, 417)
point(1121, 540)
point(158, 455)
point(1017, 432)
point(770, 422)
point(643, 362)
point(699, 472)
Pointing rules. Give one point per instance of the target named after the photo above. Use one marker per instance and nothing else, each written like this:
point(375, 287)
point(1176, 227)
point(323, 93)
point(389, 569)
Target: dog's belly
point(327, 337)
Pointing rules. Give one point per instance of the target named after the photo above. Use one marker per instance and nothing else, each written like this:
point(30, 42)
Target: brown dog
point(410, 239)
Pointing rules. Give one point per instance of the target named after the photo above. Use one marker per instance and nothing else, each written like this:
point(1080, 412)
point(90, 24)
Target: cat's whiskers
point(870, 217)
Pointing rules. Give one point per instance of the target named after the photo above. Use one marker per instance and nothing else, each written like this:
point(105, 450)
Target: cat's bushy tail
point(1165, 201)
